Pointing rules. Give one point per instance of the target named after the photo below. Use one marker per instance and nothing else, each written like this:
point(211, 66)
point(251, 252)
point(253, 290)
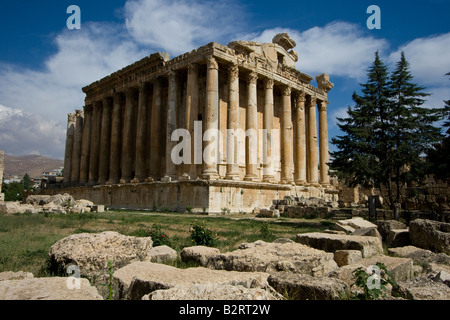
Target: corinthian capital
point(233, 72)
point(211, 63)
point(286, 90)
point(268, 83)
point(252, 77)
point(323, 105)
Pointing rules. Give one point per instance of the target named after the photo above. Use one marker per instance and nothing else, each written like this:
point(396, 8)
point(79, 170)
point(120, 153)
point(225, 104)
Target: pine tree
point(411, 133)
point(387, 132)
point(438, 156)
point(355, 161)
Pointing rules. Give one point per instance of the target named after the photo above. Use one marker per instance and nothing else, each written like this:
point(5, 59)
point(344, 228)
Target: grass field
point(25, 239)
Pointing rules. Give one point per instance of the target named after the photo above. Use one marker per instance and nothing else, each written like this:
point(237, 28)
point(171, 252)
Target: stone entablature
point(123, 133)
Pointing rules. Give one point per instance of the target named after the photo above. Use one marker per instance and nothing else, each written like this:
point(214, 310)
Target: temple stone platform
point(202, 196)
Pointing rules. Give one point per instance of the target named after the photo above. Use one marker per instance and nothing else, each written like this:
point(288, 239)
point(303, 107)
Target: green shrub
point(365, 281)
point(265, 231)
point(202, 236)
point(158, 236)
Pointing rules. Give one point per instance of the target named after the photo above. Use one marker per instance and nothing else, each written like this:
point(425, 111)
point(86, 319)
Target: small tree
point(27, 182)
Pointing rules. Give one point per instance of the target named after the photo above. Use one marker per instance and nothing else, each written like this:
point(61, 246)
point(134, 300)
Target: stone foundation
point(212, 197)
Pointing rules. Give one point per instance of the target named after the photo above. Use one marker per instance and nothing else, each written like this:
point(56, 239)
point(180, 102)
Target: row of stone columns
point(120, 132)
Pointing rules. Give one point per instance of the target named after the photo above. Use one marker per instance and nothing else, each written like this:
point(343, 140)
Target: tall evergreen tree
point(439, 155)
point(387, 132)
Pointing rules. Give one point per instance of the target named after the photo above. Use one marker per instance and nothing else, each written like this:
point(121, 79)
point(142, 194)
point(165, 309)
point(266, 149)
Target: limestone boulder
point(422, 288)
point(53, 288)
point(273, 257)
point(369, 246)
point(368, 232)
point(385, 226)
point(429, 262)
point(398, 238)
point(91, 252)
point(81, 206)
point(345, 257)
point(431, 235)
point(137, 279)
point(13, 207)
point(198, 254)
point(400, 268)
point(442, 276)
point(305, 287)
point(19, 275)
point(210, 292)
point(350, 225)
point(162, 254)
point(38, 199)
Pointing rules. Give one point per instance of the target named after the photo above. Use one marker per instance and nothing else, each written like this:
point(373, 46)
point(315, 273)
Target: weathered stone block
point(384, 226)
point(432, 235)
point(52, 288)
point(345, 257)
point(210, 292)
point(198, 254)
point(398, 238)
point(162, 254)
point(369, 246)
point(271, 257)
point(140, 278)
point(305, 287)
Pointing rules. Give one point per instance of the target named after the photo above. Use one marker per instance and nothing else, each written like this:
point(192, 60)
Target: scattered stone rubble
point(318, 265)
point(59, 203)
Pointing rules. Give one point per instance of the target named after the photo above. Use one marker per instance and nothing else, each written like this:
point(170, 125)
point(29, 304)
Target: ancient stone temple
point(2, 167)
point(221, 127)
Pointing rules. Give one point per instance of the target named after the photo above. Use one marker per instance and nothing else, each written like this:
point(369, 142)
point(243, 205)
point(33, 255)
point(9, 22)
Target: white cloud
point(338, 48)
point(180, 26)
point(428, 58)
point(47, 96)
point(23, 133)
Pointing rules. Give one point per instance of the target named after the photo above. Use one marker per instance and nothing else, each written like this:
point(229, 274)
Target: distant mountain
point(34, 165)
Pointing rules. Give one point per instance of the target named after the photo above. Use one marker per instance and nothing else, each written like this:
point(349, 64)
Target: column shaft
point(105, 142)
point(286, 137)
point(268, 116)
point(323, 144)
point(116, 139)
point(155, 135)
point(128, 138)
point(171, 125)
point(86, 145)
point(69, 148)
point(141, 134)
point(233, 123)
point(94, 152)
point(76, 154)
point(191, 114)
point(251, 141)
point(300, 141)
point(211, 145)
point(312, 142)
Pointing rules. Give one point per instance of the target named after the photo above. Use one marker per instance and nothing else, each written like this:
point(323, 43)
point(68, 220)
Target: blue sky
point(44, 65)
